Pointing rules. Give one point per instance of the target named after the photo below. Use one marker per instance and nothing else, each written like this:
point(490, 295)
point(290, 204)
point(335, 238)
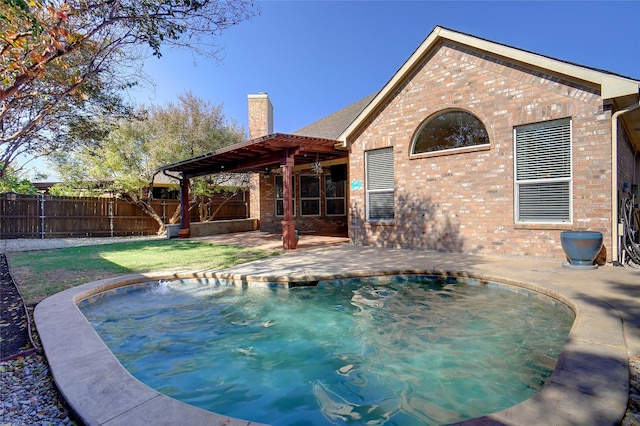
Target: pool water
point(399, 353)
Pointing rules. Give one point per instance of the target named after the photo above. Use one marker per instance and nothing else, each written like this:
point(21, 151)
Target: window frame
point(386, 190)
point(318, 198)
point(447, 151)
point(281, 199)
point(552, 162)
point(335, 198)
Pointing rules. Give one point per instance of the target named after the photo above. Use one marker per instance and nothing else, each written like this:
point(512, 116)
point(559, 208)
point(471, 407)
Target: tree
point(64, 63)
point(125, 161)
point(12, 182)
point(190, 128)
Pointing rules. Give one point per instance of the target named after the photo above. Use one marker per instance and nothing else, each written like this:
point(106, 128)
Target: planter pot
point(172, 230)
point(581, 248)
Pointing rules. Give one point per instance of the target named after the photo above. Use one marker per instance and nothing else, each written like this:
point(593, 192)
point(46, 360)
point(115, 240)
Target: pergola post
point(289, 238)
point(185, 220)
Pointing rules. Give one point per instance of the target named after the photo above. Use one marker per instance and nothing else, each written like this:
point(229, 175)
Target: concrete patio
point(590, 384)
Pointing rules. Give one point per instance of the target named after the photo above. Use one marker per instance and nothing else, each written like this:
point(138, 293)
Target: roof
point(624, 90)
point(331, 126)
point(259, 154)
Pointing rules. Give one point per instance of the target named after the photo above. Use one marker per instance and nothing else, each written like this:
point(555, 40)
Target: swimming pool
point(431, 376)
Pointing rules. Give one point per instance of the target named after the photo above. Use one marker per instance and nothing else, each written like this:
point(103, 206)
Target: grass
point(39, 274)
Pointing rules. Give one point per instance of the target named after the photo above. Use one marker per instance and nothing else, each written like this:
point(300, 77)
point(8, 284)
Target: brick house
point(472, 146)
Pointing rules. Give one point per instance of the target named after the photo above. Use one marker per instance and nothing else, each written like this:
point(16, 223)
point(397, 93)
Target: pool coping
point(589, 386)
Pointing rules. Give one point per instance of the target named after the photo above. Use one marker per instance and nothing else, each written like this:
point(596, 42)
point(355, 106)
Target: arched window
point(451, 129)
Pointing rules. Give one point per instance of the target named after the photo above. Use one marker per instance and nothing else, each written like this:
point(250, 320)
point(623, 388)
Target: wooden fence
point(45, 216)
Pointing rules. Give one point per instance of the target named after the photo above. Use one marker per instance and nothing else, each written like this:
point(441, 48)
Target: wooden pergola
point(263, 154)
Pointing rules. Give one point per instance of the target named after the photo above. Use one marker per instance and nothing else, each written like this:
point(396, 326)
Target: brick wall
point(321, 225)
point(260, 115)
point(627, 162)
point(464, 202)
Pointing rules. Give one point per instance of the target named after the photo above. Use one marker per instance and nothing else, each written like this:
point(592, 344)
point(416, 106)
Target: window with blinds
point(380, 185)
point(543, 172)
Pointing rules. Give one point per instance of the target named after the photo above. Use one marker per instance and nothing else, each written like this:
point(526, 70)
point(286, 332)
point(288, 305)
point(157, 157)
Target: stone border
point(589, 386)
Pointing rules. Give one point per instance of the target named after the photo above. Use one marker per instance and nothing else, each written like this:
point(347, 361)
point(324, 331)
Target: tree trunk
point(146, 207)
point(175, 217)
point(215, 212)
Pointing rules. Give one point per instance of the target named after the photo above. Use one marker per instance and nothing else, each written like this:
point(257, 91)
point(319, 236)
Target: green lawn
point(39, 274)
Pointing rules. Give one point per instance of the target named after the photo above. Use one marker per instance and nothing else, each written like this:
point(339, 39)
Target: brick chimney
point(260, 115)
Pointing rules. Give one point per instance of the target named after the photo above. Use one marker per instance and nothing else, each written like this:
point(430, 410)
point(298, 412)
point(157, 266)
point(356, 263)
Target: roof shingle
point(331, 126)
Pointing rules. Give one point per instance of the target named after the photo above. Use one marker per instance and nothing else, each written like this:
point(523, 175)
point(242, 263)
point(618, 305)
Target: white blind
point(380, 185)
point(543, 172)
point(380, 169)
point(543, 151)
point(545, 202)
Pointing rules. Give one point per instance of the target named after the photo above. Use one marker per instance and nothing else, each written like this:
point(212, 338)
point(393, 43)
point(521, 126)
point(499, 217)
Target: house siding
point(464, 202)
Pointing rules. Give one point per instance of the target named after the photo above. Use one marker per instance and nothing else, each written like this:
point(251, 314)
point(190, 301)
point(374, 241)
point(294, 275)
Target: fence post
point(42, 218)
point(111, 217)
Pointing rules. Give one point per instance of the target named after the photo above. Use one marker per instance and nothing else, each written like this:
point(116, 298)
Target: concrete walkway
point(590, 385)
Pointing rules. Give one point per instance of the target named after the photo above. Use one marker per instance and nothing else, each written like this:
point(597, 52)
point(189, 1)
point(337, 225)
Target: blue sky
point(315, 57)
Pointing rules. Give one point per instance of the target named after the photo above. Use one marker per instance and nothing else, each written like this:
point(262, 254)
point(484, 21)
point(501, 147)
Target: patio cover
point(259, 155)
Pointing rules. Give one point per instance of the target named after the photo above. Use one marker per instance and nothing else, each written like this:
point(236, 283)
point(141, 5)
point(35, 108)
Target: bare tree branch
point(65, 59)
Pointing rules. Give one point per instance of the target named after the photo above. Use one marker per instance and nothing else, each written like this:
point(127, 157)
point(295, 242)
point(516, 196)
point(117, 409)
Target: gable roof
point(611, 85)
point(331, 126)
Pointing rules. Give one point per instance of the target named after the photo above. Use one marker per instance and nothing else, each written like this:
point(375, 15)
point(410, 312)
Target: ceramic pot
point(581, 248)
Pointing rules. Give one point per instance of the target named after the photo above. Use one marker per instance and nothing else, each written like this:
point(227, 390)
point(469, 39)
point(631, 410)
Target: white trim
point(451, 151)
